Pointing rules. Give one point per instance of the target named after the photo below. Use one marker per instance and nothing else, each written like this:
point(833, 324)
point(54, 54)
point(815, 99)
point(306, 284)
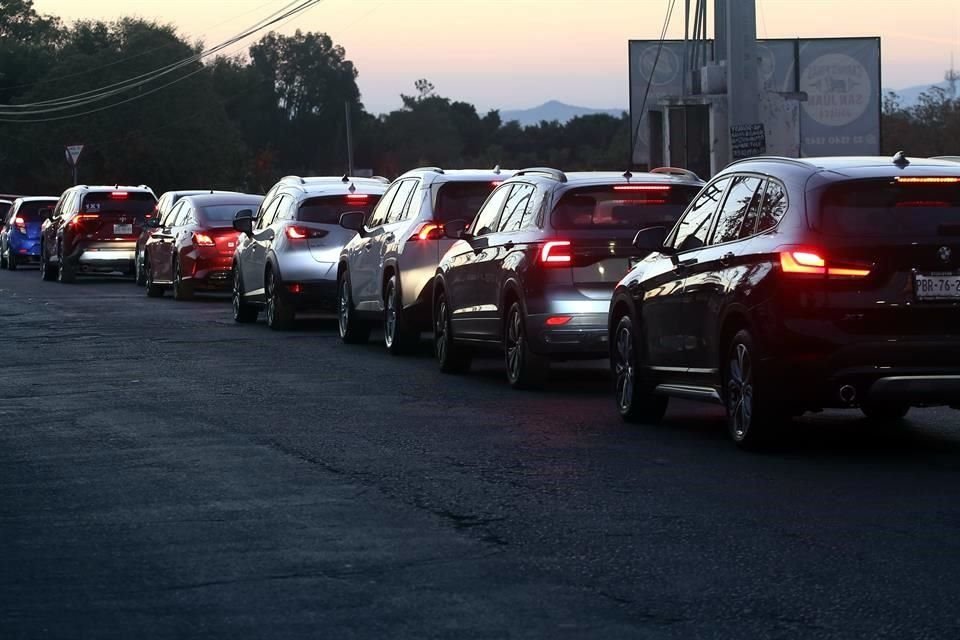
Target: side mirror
point(151, 223)
point(243, 221)
point(46, 213)
point(456, 229)
point(353, 220)
point(651, 239)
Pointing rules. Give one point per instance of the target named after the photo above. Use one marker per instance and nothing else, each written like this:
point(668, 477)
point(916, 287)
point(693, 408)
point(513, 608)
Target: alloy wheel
point(440, 330)
point(623, 368)
point(515, 345)
point(740, 391)
point(343, 314)
point(390, 316)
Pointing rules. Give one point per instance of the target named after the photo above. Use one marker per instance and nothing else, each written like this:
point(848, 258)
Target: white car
point(386, 272)
point(286, 256)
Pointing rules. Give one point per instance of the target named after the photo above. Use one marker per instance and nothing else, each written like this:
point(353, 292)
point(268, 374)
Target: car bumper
point(583, 336)
point(103, 259)
point(315, 295)
point(213, 273)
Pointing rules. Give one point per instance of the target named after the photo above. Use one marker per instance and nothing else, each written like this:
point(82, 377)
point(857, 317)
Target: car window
point(412, 210)
point(742, 195)
point(773, 207)
point(486, 219)
point(287, 209)
point(692, 231)
point(461, 199)
point(379, 213)
point(172, 214)
point(399, 204)
point(269, 214)
point(749, 226)
point(516, 207)
point(183, 215)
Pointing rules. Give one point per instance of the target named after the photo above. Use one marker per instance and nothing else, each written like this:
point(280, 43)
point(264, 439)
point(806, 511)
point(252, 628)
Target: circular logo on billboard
point(838, 89)
point(768, 63)
point(663, 71)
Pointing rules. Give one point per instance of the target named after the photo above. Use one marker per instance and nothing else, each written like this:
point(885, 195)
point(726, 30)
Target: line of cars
point(778, 287)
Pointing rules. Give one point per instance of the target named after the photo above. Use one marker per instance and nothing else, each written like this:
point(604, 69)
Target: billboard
point(839, 76)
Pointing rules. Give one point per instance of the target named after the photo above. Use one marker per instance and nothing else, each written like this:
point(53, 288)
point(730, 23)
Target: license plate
point(122, 229)
point(937, 287)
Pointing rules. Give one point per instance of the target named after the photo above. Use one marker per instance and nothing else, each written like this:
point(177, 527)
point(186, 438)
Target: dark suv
point(794, 285)
point(534, 272)
point(94, 230)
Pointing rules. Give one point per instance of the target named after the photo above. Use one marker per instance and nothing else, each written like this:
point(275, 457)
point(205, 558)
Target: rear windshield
point(4, 209)
point(30, 211)
point(461, 200)
point(225, 212)
point(328, 209)
point(136, 203)
point(634, 206)
point(886, 208)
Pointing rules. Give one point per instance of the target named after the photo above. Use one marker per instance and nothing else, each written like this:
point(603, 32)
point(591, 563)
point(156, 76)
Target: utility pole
point(952, 77)
point(346, 112)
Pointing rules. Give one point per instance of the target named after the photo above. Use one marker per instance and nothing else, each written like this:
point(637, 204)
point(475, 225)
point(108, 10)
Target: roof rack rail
point(556, 174)
point(798, 161)
point(382, 179)
point(434, 169)
point(675, 171)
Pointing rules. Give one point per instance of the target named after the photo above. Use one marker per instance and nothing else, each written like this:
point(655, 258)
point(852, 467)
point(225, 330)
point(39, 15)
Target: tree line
point(241, 121)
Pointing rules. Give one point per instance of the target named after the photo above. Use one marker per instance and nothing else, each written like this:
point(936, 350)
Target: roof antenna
point(496, 169)
point(900, 159)
point(352, 188)
point(345, 179)
point(627, 174)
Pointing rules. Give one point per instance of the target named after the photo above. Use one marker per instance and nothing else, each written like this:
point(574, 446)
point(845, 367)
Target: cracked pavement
point(166, 473)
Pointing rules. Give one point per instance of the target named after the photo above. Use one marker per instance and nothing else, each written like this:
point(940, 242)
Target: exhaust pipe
point(848, 393)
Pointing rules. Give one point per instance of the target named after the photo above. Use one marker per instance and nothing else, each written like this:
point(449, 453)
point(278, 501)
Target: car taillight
point(641, 187)
point(558, 321)
point(302, 233)
point(427, 231)
point(83, 218)
point(20, 223)
point(556, 253)
point(810, 263)
point(356, 198)
point(119, 195)
point(202, 240)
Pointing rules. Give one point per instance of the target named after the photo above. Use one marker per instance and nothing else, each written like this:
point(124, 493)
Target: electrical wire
point(653, 70)
point(97, 95)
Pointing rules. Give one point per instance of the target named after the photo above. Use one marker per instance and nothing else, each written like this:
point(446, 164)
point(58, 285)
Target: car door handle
point(727, 258)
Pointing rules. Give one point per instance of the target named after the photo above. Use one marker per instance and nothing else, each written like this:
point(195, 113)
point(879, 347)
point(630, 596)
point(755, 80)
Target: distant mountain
point(553, 110)
point(909, 96)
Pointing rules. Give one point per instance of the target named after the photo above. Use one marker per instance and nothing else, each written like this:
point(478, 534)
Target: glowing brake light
point(641, 187)
point(809, 263)
point(20, 223)
point(357, 197)
point(496, 183)
point(297, 233)
point(557, 321)
point(80, 218)
point(119, 195)
point(928, 179)
point(556, 253)
point(202, 239)
point(427, 231)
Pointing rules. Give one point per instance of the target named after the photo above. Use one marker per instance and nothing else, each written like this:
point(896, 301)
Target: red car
point(93, 231)
point(193, 249)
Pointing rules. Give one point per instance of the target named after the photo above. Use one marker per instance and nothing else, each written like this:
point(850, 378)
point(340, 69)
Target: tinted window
point(773, 207)
point(622, 206)
point(883, 208)
point(183, 214)
point(4, 209)
point(517, 207)
point(134, 203)
point(741, 197)
point(379, 213)
point(328, 209)
point(30, 211)
point(461, 200)
point(269, 214)
point(399, 204)
point(223, 212)
point(486, 219)
point(692, 231)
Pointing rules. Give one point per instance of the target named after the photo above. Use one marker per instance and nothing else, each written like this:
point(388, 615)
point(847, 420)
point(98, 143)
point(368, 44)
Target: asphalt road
point(166, 473)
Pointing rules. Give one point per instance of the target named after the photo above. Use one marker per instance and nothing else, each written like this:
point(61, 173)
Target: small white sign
point(73, 153)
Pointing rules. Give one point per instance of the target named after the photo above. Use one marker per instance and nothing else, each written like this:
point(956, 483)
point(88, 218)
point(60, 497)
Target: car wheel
point(398, 337)
point(885, 413)
point(453, 358)
point(525, 369)
point(65, 272)
point(280, 314)
point(182, 290)
point(138, 270)
point(46, 269)
point(243, 312)
point(3, 259)
point(636, 399)
point(751, 416)
point(153, 290)
point(11, 260)
point(352, 329)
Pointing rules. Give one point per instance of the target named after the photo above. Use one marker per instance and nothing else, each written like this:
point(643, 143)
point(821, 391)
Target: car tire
point(3, 259)
point(452, 357)
point(182, 290)
point(152, 290)
point(140, 276)
point(525, 369)
point(636, 400)
point(280, 313)
point(352, 329)
point(398, 336)
point(47, 273)
point(753, 420)
point(885, 413)
point(243, 312)
point(66, 274)
point(12, 261)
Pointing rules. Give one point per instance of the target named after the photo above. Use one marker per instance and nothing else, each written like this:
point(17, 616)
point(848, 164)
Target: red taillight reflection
point(428, 231)
point(923, 203)
point(556, 321)
point(556, 253)
point(809, 263)
point(202, 239)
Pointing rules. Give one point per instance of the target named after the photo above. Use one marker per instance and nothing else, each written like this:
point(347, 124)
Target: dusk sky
point(519, 53)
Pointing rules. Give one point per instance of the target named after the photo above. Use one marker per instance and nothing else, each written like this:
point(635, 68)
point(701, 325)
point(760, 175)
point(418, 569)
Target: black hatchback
point(796, 285)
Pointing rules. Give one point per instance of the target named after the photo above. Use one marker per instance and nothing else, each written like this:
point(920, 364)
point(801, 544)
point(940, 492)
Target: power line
point(653, 70)
point(97, 95)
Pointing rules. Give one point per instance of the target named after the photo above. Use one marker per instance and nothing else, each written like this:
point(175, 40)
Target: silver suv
point(286, 256)
point(386, 272)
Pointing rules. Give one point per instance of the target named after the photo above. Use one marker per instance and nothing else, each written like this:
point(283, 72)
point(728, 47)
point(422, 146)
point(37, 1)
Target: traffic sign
point(73, 153)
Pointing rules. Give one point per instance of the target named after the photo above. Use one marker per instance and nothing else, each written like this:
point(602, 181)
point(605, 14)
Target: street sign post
point(72, 153)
